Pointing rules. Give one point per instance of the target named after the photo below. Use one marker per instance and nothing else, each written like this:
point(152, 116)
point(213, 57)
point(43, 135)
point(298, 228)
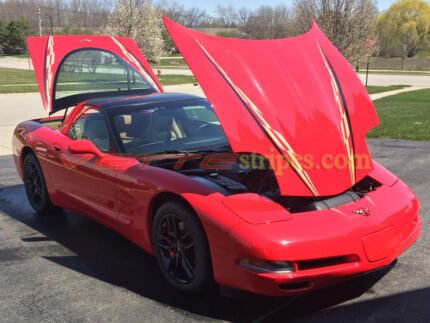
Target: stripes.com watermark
point(225, 161)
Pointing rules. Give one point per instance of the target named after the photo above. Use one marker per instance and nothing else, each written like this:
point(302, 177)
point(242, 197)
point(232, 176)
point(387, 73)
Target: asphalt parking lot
point(64, 267)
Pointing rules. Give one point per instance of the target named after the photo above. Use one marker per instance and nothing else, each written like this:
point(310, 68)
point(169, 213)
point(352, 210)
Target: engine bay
point(237, 179)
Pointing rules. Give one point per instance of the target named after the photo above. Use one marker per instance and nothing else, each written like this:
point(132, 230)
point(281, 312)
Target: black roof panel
point(124, 101)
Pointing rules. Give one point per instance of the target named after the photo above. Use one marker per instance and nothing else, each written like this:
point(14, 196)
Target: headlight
point(267, 266)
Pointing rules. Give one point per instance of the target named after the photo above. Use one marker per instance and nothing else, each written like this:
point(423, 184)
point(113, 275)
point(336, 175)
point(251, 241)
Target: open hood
point(296, 101)
point(70, 69)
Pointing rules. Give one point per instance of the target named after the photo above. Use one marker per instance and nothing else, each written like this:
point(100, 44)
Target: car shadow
point(410, 306)
point(105, 255)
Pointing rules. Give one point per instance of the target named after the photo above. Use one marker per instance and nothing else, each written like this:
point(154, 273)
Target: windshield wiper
point(225, 148)
point(187, 152)
point(158, 155)
point(170, 152)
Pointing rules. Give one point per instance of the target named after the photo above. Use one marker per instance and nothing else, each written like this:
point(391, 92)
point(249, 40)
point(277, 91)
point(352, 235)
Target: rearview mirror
point(84, 147)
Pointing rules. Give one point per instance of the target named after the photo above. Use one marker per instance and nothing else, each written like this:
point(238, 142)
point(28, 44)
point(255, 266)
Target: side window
point(92, 126)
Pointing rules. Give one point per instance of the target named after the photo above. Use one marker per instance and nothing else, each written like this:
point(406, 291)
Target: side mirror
point(84, 147)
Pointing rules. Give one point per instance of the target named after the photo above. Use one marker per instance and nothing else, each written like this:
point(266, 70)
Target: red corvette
point(268, 188)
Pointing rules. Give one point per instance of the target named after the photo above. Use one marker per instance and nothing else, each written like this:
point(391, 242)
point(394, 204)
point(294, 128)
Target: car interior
point(91, 126)
point(150, 131)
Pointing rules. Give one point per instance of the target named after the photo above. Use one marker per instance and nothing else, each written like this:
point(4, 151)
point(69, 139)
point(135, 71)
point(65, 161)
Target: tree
point(173, 10)
point(2, 33)
point(141, 21)
point(347, 23)
point(194, 16)
point(243, 16)
point(265, 22)
point(73, 13)
point(226, 15)
point(404, 28)
point(13, 36)
point(150, 33)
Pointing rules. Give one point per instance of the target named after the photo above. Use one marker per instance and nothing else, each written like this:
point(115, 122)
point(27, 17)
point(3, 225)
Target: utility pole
point(39, 13)
point(50, 21)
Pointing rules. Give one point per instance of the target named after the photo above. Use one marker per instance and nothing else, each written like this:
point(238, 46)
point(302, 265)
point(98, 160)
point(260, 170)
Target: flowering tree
point(150, 34)
point(140, 20)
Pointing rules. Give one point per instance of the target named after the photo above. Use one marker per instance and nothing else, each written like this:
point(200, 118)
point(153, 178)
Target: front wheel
point(181, 248)
point(35, 185)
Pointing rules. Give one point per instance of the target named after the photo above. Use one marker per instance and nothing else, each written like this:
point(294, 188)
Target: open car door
point(73, 68)
point(296, 101)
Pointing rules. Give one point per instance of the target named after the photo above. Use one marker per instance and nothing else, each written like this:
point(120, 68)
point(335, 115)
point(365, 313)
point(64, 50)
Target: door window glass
point(91, 126)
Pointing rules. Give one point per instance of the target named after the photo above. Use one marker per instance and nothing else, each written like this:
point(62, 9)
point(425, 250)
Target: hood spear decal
point(279, 142)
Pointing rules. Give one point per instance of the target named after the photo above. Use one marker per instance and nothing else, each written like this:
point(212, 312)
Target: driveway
point(15, 62)
point(392, 79)
point(64, 267)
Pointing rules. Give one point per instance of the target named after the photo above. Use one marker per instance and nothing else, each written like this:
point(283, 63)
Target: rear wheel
point(35, 185)
point(181, 248)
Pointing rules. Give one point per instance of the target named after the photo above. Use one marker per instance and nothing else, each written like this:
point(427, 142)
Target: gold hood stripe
point(276, 137)
point(344, 124)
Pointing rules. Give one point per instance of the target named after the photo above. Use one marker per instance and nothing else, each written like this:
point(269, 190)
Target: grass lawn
point(16, 76)
point(175, 55)
point(404, 116)
point(371, 89)
point(176, 79)
point(19, 89)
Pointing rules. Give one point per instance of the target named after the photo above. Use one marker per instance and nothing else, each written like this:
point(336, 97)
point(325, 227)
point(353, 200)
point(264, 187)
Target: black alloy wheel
point(177, 248)
point(35, 186)
point(181, 248)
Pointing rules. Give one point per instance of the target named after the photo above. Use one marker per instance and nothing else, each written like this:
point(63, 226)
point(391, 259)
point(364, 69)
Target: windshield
point(167, 127)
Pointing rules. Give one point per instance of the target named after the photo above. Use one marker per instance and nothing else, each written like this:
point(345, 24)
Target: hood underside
point(296, 101)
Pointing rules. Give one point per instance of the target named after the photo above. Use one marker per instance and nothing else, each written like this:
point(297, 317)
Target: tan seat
point(165, 128)
point(122, 125)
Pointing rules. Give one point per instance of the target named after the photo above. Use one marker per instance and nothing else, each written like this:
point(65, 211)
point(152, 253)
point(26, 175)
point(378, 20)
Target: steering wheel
point(199, 128)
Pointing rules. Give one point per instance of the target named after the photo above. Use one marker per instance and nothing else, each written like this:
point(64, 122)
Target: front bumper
point(326, 246)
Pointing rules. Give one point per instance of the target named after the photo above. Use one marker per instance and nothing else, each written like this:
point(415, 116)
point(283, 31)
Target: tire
point(181, 248)
point(35, 185)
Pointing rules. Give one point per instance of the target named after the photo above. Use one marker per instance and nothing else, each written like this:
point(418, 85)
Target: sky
point(210, 5)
